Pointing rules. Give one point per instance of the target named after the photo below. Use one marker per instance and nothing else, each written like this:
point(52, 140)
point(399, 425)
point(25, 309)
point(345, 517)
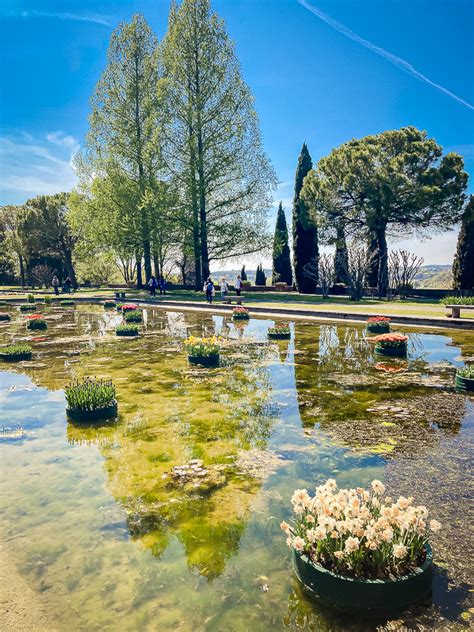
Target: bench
point(456, 310)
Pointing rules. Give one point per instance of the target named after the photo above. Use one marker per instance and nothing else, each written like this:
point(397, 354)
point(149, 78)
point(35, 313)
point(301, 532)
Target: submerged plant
point(133, 316)
point(35, 321)
point(203, 347)
point(4, 316)
point(127, 330)
point(357, 532)
point(15, 351)
point(90, 394)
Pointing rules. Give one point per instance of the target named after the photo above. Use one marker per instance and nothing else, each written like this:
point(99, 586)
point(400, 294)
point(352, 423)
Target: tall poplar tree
point(212, 145)
point(123, 137)
point(463, 265)
point(305, 233)
point(281, 250)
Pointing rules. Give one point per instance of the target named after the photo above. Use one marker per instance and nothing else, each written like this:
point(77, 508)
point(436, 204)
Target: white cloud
point(95, 18)
point(400, 63)
point(31, 166)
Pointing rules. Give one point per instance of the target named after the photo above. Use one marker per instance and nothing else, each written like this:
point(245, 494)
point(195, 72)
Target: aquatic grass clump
point(90, 399)
point(203, 350)
point(359, 533)
point(240, 313)
point(127, 330)
point(378, 324)
point(4, 317)
point(16, 352)
point(35, 321)
point(109, 304)
point(132, 316)
point(28, 307)
point(391, 344)
point(280, 330)
point(30, 298)
point(67, 302)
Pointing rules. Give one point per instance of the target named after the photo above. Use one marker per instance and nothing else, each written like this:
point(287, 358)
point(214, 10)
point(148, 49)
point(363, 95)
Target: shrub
point(457, 300)
point(15, 351)
point(467, 372)
point(203, 347)
point(90, 394)
point(133, 316)
point(392, 341)
point(30, 298)
point(356, 533)
point(127, 330)
point(28, 308)
point(67, 302)
point(246, 284)
point(35, 321)
point(4, 316)
point(109, 304)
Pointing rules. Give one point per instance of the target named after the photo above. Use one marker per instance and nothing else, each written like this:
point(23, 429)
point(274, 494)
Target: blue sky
point(322, 71)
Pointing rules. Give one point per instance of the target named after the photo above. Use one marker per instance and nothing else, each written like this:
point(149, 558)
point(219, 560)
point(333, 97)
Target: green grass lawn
point(412, 307)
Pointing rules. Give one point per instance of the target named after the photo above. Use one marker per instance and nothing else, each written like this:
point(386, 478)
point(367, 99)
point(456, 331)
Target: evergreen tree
point(281, 251)
point(305, 234)
point(463, 265)
point(243, 274)
point(260, 278)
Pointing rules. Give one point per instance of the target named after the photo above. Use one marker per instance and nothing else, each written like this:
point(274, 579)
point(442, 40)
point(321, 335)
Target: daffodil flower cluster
point(358, 532)
point(203, 347)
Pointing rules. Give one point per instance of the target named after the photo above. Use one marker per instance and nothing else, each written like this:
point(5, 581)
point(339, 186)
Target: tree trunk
point(202, 210)
point(138, 257)
point(147, 259)
point(340, 257)
point(70, 268)
point(373, 273)
point(22, 271)
point(382, 249)
point(156, 264)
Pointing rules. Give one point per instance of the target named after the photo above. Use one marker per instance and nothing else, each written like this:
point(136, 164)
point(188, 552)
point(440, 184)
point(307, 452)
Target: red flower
point(378, 319)
point(33, 317)
point(129, 307)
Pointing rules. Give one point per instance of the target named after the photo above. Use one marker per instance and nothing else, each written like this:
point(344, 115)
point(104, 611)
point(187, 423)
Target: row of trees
point(396, 183)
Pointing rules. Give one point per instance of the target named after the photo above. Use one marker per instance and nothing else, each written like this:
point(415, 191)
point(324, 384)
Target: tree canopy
point(463, 265)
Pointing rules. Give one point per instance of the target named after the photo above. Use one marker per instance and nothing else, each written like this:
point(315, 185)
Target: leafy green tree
point(397, 180)
point(124, 133)
point(281, 250)
point(305, 232)
point(260, 277)
point(463, 265)
point(211, 139)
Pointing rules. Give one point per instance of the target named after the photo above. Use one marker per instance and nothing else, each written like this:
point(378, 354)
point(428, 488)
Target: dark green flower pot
point(378, 329)
point(240, 316)
point(5, 318)
point(129, 334)
point(204, 360)
point(280, 336)
point(15, 357)
point(36, 325)
point(391, 351)
point(370, 596)
point(464, 383)
point(92, 415)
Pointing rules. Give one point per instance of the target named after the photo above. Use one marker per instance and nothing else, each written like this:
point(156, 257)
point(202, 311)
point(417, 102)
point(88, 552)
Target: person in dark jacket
point(153, 284)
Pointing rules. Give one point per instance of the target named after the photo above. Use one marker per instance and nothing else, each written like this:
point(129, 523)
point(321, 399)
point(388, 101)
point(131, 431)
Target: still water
point(99, 528)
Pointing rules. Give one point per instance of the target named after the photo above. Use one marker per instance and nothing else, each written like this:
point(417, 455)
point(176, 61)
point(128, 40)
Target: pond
point(100, 528)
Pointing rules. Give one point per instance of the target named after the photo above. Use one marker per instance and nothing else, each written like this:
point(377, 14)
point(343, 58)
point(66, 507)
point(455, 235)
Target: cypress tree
point(281, 251)
point(260, 278)
point(243, 274)
point(305, 234)
point(463, 264)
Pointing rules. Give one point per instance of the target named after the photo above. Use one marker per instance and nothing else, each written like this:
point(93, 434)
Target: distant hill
point(434, 277)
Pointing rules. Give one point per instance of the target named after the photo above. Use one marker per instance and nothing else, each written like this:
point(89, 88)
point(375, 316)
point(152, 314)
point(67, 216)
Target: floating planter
point(204, 351)
point(4, 317)
point(465, 378)
point(355, 556)
point(35, 321)
point(109, 304)
point(132, 316)
point(16, 352)
point(91, 400)
point(67, 302)
point(280, 331)
point(378, 325)
point(127, 330)
point(391, 344)
point(28, 307)
point(240, 313)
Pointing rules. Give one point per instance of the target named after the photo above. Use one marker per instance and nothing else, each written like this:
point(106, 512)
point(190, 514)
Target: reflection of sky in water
point(103, 535)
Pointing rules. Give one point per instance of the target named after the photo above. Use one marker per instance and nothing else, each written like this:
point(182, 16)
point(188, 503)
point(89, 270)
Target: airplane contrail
point(393, 59)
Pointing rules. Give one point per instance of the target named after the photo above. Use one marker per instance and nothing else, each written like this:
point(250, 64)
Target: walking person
point(224, 289)
point(55, 284)
point(153, 284)
point(238, 285)
point(209, 290)
point(162, 285)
